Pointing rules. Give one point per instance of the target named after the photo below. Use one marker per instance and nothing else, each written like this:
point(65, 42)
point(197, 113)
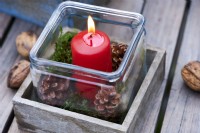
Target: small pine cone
point(53, 90)
point(118, 51)
point(107, 101)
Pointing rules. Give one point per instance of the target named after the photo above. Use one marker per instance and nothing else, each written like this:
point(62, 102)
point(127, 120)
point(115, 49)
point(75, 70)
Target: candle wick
point(90, 36)
point(91, 42)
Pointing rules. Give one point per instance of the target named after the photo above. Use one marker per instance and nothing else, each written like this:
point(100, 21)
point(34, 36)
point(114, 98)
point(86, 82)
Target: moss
point(76, 103)
point(63, 48)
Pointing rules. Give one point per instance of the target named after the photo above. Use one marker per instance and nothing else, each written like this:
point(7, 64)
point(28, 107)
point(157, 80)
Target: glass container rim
point(86, 7)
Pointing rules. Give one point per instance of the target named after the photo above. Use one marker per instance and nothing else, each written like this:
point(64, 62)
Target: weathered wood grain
point(153, 87)
point(37, 117)
point(163, 21)
point(4, 23)
point(183, 110)
point(126, 5)
point(8, 56)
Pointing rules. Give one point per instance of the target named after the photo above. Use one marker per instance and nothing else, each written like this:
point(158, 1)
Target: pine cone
point(53, 90)
point(107, 101)
point(118, 51)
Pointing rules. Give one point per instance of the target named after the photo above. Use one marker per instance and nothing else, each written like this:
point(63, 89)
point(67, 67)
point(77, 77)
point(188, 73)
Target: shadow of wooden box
point(38, 11)
point(37, 117)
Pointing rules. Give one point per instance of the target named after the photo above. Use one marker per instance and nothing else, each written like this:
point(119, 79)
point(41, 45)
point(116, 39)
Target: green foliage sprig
point(76, 103)
point(63, 48)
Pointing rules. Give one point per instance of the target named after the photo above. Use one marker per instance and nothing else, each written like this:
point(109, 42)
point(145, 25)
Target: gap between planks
point(5, 23)
point(172, 69)
point(14, 128)
point(8, 56)
point(182, 113)
point(163, 22)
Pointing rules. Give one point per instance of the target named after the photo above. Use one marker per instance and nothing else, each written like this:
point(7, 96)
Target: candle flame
point(91, 26)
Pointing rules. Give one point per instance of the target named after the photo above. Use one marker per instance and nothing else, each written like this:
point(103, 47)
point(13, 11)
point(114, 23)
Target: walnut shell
point(25, 42)
point(191, 75)
point(18, 73)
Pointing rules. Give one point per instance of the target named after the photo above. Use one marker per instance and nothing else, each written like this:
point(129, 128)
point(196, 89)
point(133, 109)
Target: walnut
point(18, 73)
point(191, 75)
point(25, 42)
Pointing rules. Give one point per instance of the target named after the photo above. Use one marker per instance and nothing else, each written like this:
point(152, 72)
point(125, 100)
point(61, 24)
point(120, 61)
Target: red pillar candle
point(91, 49)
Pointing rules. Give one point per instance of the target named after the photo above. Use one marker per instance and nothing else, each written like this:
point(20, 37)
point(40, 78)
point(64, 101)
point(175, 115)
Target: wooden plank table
point(8, 56)
point(165, 25)
point(5, 20)
point(182, 114)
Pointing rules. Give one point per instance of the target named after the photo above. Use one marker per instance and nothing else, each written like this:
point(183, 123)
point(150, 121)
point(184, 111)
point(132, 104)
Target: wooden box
point(33, 116)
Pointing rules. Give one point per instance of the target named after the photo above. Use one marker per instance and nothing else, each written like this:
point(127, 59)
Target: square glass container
point(106, 95)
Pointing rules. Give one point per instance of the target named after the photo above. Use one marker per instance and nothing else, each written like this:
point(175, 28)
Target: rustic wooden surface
point(133, 6)
point(163, 23)
point(183, 110)
point(163, 20)
point(4, 23)
point(8, 56)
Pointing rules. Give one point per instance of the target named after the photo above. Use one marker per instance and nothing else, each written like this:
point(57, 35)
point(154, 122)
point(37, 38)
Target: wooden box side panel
point(31, 119)
point(151, 84)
